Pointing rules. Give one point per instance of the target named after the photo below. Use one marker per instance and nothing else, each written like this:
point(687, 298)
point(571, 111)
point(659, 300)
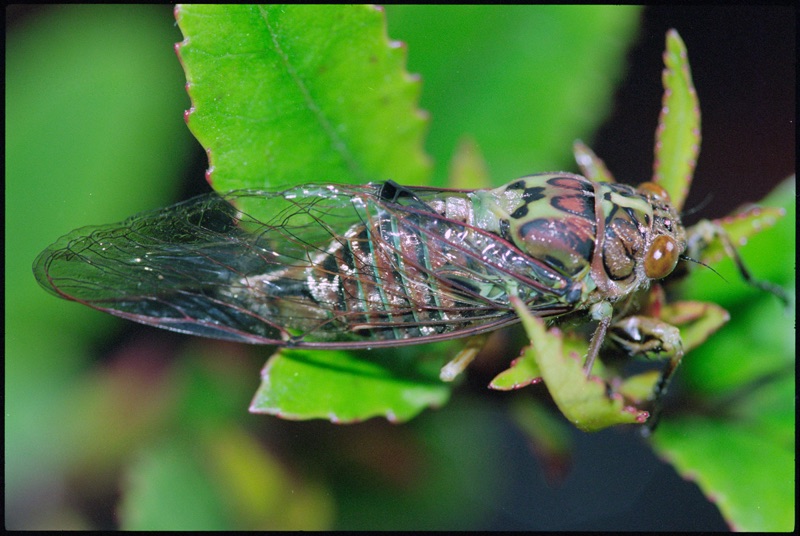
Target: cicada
point(352, 267)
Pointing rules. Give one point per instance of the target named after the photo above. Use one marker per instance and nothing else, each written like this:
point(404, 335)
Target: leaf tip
point(641, 416)
point(674, 43)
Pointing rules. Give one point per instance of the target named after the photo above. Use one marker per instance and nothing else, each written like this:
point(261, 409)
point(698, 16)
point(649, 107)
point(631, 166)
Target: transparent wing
point(315, 266)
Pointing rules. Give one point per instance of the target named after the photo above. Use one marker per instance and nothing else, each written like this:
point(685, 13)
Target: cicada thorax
point(611, 238)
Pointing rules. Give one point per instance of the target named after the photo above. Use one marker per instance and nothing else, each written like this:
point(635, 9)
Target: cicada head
point(666, 240)
point(639, 238)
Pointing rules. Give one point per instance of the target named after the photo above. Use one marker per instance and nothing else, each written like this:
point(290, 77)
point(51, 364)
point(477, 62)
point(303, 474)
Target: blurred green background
point(110, 424)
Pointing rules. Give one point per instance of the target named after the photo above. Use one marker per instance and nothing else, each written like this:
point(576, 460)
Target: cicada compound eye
point(654, 190)
point(661, 258)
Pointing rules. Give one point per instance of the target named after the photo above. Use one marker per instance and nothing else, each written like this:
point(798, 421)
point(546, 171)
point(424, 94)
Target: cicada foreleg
point(650, 338)
point(602, 313)
point(705, 232)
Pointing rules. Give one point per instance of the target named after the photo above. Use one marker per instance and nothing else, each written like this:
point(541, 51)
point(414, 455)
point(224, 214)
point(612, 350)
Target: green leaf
point(745, 472)
point(300, 93)
point(678, 132)
point(583, 400)
point(168, 489)
point(768, 255)
point(468, 167)
point(522, 81)
point(294, 94)
point(523, 371)
point(348, 387)
point(639, 389)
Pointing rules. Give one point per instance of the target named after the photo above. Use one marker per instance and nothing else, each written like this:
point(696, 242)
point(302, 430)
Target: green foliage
point(191, 476)
point(740, 386)
point(484, 75)
point(293, 94)
point(346, 387)
point(678, 133)
point(584, 400)
point(93, 131)
point(522, 81)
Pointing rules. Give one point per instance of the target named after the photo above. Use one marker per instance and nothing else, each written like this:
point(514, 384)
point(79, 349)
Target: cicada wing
point(316, 265)
point(186, 267)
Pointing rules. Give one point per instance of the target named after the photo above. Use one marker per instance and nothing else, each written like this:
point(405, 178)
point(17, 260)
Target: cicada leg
point(463, 358)
point(705, 232)
point(602, 313)
point(650, 338)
